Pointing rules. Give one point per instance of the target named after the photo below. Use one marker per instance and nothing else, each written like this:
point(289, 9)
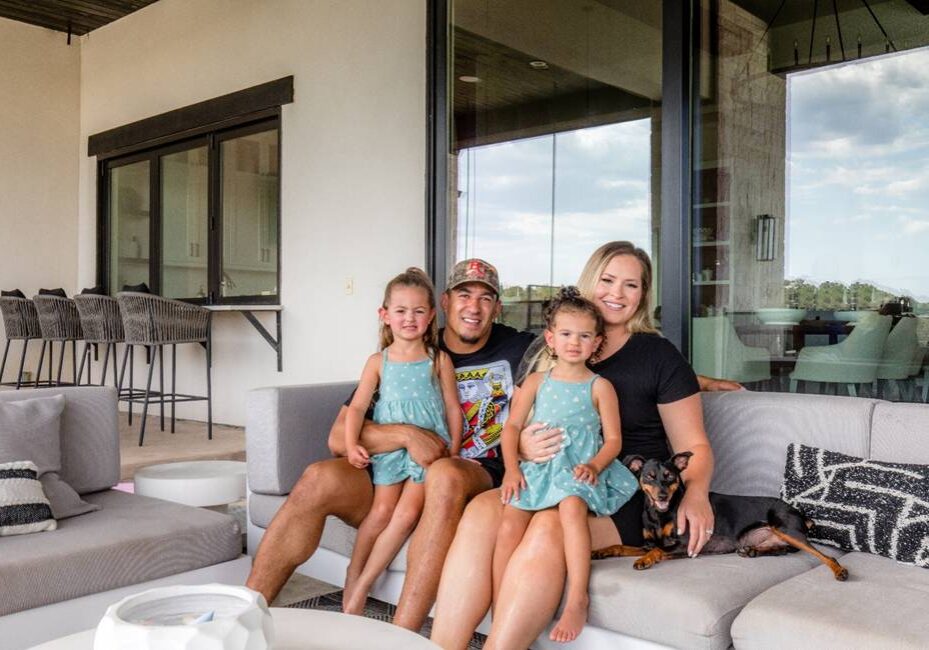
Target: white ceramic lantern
point(202, 617)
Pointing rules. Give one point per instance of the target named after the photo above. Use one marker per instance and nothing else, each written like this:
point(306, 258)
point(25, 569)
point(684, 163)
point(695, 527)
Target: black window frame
point(677, 107)
point(261, 121)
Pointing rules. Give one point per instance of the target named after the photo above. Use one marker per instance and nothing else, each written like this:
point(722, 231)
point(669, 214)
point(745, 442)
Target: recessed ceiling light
point(469, 79)
point(538, 65)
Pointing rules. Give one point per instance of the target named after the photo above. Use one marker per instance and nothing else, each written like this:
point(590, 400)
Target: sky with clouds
point(857, 189)
point(858, 173)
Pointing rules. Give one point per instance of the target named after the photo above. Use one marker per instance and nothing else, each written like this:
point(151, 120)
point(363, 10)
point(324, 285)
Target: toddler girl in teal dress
point(415, 383)
point(584, 475)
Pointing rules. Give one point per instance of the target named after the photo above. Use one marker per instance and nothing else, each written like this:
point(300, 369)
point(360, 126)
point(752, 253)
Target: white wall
point(353, 161)
point(39, 141)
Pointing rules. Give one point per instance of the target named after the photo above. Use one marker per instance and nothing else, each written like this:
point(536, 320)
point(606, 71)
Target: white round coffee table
point(200, 483)
point(304, 629)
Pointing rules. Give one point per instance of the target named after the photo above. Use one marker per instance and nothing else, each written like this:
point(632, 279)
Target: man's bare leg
point(329, 487)
point(465, 590)
point(534, 579)
point(450, 484)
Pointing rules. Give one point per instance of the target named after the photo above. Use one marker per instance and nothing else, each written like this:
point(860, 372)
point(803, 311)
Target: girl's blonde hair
point(417, 278)
point(641, 321)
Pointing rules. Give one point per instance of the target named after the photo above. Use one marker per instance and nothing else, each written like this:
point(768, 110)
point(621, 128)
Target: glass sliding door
point(184, 214)
point(249, 189)
point(810, 197)
point(554, 138)
point(130, 223)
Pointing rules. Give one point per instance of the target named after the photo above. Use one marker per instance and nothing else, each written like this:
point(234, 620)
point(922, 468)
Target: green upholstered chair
point(719, 352)
point(851, 362)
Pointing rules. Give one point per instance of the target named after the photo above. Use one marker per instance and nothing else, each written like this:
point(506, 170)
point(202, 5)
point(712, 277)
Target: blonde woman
point(661, 414)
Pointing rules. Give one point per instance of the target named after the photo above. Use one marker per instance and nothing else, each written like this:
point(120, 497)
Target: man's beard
point(470, 340)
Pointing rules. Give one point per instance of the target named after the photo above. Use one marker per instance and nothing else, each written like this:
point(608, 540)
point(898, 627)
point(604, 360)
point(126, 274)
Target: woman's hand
point(695, 514)
point(538, 443)
point(513, 482)
point(586, 473)
point(358, 457)
point(714, 385)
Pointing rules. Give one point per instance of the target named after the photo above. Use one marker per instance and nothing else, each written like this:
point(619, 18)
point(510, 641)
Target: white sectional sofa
point(711, 602)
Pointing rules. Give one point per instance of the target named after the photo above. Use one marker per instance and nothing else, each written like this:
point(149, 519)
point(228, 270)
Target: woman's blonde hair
point(413, 277)
point(538, 358)
point(641, 320)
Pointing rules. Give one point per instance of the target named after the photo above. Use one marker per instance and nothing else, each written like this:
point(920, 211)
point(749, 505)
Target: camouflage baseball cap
point(474, 270)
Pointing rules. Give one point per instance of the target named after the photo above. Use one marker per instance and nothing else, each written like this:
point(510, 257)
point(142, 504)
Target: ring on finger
point(709, 531)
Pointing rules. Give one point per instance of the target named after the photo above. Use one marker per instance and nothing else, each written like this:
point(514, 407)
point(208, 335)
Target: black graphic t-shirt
point(647, 371)
point(486, 380)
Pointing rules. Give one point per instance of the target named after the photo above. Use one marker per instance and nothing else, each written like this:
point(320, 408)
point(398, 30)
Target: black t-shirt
point(486, 379)
point(647, 371)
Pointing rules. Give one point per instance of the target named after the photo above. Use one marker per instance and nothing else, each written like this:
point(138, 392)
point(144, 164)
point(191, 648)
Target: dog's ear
point(634, 463)
point(680, 460)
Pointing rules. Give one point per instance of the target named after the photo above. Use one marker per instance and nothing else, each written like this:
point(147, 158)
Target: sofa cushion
point(89, 434)
point(882, 605)
point(861, 505)
point(749, 433)
point(29, 430)
point(131, 539)
point(900, 433)
point(684, 603)
point(24, 508)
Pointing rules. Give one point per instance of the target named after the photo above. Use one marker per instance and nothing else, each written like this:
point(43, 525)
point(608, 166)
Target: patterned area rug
point(373, 609)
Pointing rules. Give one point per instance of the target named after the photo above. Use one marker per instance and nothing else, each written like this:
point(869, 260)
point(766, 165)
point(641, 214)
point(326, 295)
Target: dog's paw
point(643, 563)
point(842, 574)
point(746, 551)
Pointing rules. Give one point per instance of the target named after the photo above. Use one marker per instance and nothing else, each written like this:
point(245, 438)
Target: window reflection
point(809, 205)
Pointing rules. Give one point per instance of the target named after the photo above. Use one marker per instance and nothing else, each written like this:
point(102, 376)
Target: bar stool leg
point(80, 373)
point(161, 382)
point(51, 360)
point(209, 386)
point(122, 370)
point(106, 362)
point(148, 392)
point(41, 360)
point(131, 373)
point(61, 363)
point(115, 380)
point(6, 351)
point(173, 382)
point(22, 364)
point(74, 374)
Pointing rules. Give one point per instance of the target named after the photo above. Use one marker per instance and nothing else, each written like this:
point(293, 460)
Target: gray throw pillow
point(29, 430)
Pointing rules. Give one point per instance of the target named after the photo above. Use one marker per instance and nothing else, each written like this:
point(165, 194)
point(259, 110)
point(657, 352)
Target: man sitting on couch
point(486, 357)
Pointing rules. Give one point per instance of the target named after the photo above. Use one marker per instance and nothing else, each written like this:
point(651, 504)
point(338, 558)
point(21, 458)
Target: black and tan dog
point(749, 526)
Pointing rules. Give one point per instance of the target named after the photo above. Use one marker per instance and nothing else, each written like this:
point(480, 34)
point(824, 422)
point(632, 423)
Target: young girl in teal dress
point(415, 384)
point(584, 476)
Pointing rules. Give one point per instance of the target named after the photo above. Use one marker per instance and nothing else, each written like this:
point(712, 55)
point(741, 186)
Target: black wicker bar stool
point(60, 322)
point(20, 323)
point(155, 322)
point(102, 325)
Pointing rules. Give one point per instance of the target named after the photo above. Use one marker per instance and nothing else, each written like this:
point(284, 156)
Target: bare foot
point(348, 591)
point(353, 602)
point(571, 623)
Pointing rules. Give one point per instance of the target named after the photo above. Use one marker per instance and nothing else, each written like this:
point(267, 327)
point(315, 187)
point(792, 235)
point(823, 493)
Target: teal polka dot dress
point(569, 405)
point(408, 394)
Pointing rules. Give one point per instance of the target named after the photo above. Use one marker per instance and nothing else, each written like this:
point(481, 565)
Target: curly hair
point(569, 300)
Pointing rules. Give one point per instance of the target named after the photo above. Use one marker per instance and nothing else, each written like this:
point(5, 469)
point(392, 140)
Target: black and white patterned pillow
point(861, 505)
point(24, 508)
